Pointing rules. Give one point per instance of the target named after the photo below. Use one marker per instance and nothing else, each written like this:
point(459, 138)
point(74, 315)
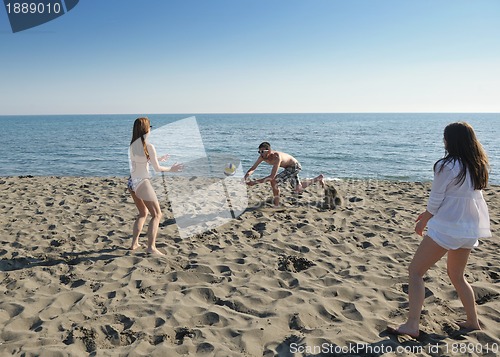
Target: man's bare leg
point(276, 193)
point(307, 183)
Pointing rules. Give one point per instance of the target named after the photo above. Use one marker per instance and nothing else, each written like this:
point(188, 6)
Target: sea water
point(400, 147)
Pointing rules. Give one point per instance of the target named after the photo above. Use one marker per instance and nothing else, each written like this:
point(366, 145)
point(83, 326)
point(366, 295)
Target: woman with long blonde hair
point(141, 154)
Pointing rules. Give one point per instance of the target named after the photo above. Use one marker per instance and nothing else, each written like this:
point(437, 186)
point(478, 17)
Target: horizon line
point(238, 113)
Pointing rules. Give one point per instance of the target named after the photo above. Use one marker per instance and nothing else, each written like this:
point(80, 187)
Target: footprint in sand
point(349, 310)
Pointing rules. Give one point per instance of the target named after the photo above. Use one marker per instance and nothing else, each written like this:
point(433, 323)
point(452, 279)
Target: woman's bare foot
point(469, 326)
point(154, 251)
point(134, 245)
point(404, 330)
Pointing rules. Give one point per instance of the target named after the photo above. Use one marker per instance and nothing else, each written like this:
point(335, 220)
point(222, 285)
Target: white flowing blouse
point(459, 211)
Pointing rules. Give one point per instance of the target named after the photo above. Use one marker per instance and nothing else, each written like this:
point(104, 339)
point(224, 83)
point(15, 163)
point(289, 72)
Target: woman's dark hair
point(462, 145)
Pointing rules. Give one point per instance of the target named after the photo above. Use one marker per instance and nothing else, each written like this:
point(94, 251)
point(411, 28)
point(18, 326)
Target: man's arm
point(276, 161)
point(252, 169)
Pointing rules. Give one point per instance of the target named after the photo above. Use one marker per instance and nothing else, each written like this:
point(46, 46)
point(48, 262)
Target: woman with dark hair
point(456, 216)
point(141, 154)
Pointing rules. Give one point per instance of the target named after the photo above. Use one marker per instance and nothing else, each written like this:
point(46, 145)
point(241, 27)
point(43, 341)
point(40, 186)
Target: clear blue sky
point(255, 56)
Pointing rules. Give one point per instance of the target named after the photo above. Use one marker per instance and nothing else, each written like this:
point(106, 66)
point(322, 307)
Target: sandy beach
point(303, 279)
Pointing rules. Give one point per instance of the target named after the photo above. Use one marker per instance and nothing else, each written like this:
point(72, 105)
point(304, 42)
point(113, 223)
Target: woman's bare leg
point(140, 220)
point(457, 260)
point(154, 223)
point(427, 254)
point(146, 192)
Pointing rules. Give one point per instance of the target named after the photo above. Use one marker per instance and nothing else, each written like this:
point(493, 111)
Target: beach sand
point(298, 280)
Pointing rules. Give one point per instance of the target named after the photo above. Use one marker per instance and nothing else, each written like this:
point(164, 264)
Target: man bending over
point(290, 173)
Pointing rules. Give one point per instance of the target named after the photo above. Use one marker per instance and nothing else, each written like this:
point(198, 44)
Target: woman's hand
point(164, 158)
point(422, 220)
point(176, 167)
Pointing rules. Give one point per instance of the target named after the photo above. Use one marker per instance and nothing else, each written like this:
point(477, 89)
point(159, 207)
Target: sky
point(255, 56)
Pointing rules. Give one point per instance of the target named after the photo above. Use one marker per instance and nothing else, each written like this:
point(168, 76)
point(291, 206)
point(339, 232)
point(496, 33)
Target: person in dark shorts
point(290, 173)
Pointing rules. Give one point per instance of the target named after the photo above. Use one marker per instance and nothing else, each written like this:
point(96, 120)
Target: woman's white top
point(459, 211)
point(139, 163)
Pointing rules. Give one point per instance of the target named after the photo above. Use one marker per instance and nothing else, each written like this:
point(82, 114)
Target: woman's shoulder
point(448, 164)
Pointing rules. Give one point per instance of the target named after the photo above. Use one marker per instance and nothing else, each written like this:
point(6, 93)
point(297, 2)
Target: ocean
point(398, 147)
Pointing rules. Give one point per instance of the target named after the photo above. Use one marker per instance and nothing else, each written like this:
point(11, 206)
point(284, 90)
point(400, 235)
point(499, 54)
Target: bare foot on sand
point(154, 251)
point(468, 325)
point(134, 245)
point(403, 330)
